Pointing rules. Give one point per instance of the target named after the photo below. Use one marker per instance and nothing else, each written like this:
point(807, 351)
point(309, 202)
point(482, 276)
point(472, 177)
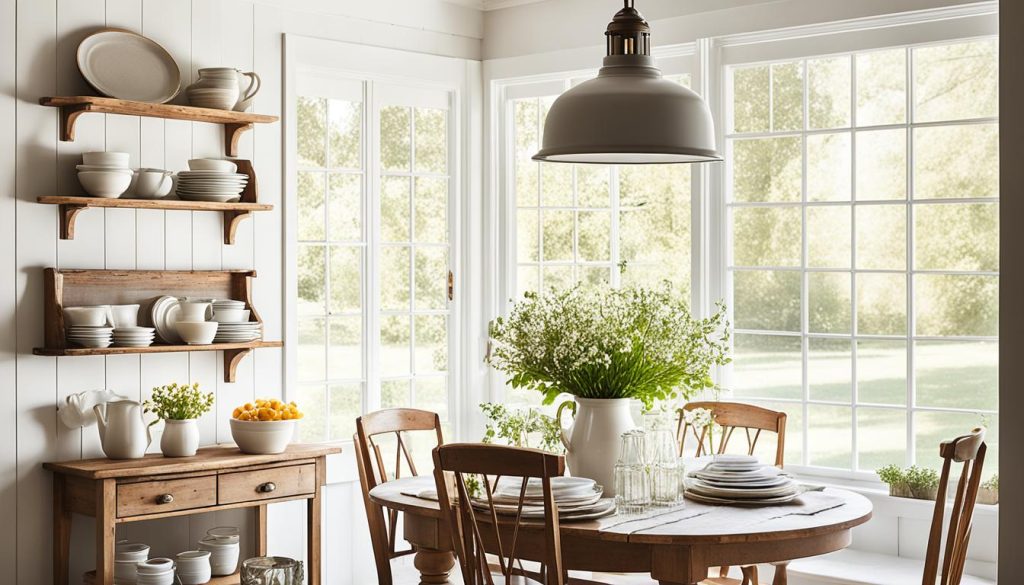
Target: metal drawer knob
point(165, 499)
point(266, 488)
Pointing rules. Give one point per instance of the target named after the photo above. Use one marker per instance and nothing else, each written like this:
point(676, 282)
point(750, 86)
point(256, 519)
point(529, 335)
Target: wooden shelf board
point(176, 204)
point(157, 348)
point(107, 105)
point(234, 579)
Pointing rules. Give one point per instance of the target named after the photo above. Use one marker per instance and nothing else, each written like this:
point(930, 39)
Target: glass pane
point(558, 277)
point(311, 130)
point(595, 235)
point(881, 371)
point(346, 278)
point(431, 141)
point(314, 424)
point(828, 92)
point(829, 306)
point(881, 237)
point(767, 169)
point(311, 358)
point(956, 161)
point(527, 244)
point(882, 87)
point(661, 186)
point(431, 278)
point(395, 141)
point(311, 188)
point(395, 341)
point(432, 395)
point(395, 394)
point(750, 86)
point(955, 82)
point(525, 129)
point(431, 343)
point(312, 282)
point(394, 278)
point(527, 182)
point(656, 227)
point(829, 369)
point(527, 279)
point(830, 436)
point(767, 366)
point(794, 451)
point(881, 304)
point(956, 237)
point(767, 300)
point(787, 96)
point(829, 167)
point(766, 236)
point(431, 208)
point(394, 209)
point(828, 236)
point(592, 185)
point(345, 134)
point(881, 438)
point(345, 221)
point(950, 305)
point(932, 428)
point(555, 185)
point(558, 235)
point(882, 165)
point(346, 404)
point(345, 356)
point(597, 276)
point(957, 374)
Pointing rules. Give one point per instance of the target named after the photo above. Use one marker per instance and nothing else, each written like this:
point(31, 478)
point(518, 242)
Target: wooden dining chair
point(477, 530)
point(969, 450)
point(753, 420)
point(373, 471)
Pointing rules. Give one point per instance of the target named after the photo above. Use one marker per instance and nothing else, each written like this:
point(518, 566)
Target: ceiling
point(492, 4)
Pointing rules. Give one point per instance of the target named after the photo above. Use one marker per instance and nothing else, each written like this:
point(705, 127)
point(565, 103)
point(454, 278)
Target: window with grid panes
point(862, 195)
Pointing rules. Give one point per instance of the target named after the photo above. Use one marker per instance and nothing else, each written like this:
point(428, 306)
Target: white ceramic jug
point(123, 432)
point(592, 442)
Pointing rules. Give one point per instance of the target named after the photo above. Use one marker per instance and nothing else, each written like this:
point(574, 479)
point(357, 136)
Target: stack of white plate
point(227, 304)
point(577, 498)
point(238, 332)
point(164, 315)
point(92, 337)
point(741, 480)
point(212, 185)
point(134, 336)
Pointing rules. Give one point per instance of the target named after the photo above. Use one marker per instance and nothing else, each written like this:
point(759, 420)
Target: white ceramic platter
point(128, 66)
point(165, 315)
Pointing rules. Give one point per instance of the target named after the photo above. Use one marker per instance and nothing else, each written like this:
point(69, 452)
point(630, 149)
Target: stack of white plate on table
point(134, 336)
point(211, 185)
point(238, 332)
point(741, 480)
point(577, 498)
point(91, 337)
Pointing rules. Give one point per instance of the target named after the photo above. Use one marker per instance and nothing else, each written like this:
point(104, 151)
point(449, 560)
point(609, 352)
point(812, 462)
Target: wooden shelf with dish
point(235, 123)
point(89, 578)
point(234, 213)
point(74, 288)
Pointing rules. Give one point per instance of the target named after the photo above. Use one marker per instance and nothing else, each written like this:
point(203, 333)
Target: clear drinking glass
point(665, 468)
point(632, 484)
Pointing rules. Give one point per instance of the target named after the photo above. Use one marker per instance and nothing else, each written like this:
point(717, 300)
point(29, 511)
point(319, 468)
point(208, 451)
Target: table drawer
point(157, 497)
point(266, 484)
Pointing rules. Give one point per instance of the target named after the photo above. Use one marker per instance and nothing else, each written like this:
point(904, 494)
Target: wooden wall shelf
point(235, 123)
point(72, 288)
point(89, 578)
point(234, 213)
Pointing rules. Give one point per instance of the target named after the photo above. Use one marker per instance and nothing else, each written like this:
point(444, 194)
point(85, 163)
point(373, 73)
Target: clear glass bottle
point(632, 484)
point(665, 468)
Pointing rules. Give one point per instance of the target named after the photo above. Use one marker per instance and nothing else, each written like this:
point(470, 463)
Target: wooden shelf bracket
point(232, 357)
point(232, 135)
point(68, 215)
point(231, 221)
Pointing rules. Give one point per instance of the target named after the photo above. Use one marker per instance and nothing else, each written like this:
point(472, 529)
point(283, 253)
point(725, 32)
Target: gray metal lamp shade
point(629, 114)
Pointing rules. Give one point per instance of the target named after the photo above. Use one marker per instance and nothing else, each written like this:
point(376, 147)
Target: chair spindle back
point(731, 416)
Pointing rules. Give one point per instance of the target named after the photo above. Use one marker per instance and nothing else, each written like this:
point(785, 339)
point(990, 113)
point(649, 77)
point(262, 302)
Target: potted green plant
point(179, 407)
point(914, 482)
point(989, 491)
point(605, 347)
point(517, 426)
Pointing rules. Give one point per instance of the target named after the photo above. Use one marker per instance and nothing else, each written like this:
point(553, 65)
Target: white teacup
point(124, 316)
point(86, 316)
point(151, 183)
point(194, 311)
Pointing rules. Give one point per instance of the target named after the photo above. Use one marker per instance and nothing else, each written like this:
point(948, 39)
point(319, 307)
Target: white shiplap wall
point(38, 39)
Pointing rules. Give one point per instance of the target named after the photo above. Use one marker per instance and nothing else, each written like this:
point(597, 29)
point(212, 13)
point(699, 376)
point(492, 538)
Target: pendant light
point(629, 113)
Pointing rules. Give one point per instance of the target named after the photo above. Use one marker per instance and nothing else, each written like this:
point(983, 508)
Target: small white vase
point(180, 438)
point(592, 442)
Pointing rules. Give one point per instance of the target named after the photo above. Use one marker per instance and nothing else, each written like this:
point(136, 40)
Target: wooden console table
point(217, 478)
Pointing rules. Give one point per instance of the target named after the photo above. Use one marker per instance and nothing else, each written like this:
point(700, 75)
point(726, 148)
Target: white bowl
point(223, 557)
point(230, 315)
point(197, 332)
point(107, 159)
point(212, 164)
point(112, 169)
point(86, 316)
point(105, 184)
point(262, 437)
point(124, 316)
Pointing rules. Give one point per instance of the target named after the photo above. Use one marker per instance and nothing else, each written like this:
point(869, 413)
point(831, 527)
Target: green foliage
point(991, 483)
point(891, 474)
point(516, 426)
point(609, 343)
point(176, 402)
point(921, 479)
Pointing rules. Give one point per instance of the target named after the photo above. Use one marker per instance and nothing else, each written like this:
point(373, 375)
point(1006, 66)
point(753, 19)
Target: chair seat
point(854, 567)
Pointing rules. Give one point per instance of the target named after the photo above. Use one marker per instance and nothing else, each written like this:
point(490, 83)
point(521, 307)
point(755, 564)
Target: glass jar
point(632, 484)
point(272, 571)
point(666, 468)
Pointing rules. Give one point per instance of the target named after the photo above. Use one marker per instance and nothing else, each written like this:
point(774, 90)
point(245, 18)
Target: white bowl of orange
point(265, 426)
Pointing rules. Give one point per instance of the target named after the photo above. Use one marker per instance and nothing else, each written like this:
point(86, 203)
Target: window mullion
point(909, 214)
point(372, 278)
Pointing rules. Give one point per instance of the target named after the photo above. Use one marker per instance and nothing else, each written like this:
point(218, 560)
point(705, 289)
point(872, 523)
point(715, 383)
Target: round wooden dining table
point(675, 545)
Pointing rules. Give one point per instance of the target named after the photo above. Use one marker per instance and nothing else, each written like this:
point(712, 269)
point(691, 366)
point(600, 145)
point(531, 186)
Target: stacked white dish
point(127, 556)
point(741, 480)
point(238, 332)
point(216, 186)
point(134, 336)
point(164, 315)
point(90, 336)
point(105, 174)
point(577, 498)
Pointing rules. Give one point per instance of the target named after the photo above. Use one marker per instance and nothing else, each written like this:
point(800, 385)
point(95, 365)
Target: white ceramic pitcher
point(123, 432)
point(592, 442)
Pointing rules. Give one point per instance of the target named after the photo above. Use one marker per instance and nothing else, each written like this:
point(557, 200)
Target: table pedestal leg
point(434, 566)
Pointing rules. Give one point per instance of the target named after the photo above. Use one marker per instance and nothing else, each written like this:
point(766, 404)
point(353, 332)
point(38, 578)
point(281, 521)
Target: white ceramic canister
point(223, 556)
point(180, 438)
point(194, 567)
point(159, 571)
point(127, 555)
